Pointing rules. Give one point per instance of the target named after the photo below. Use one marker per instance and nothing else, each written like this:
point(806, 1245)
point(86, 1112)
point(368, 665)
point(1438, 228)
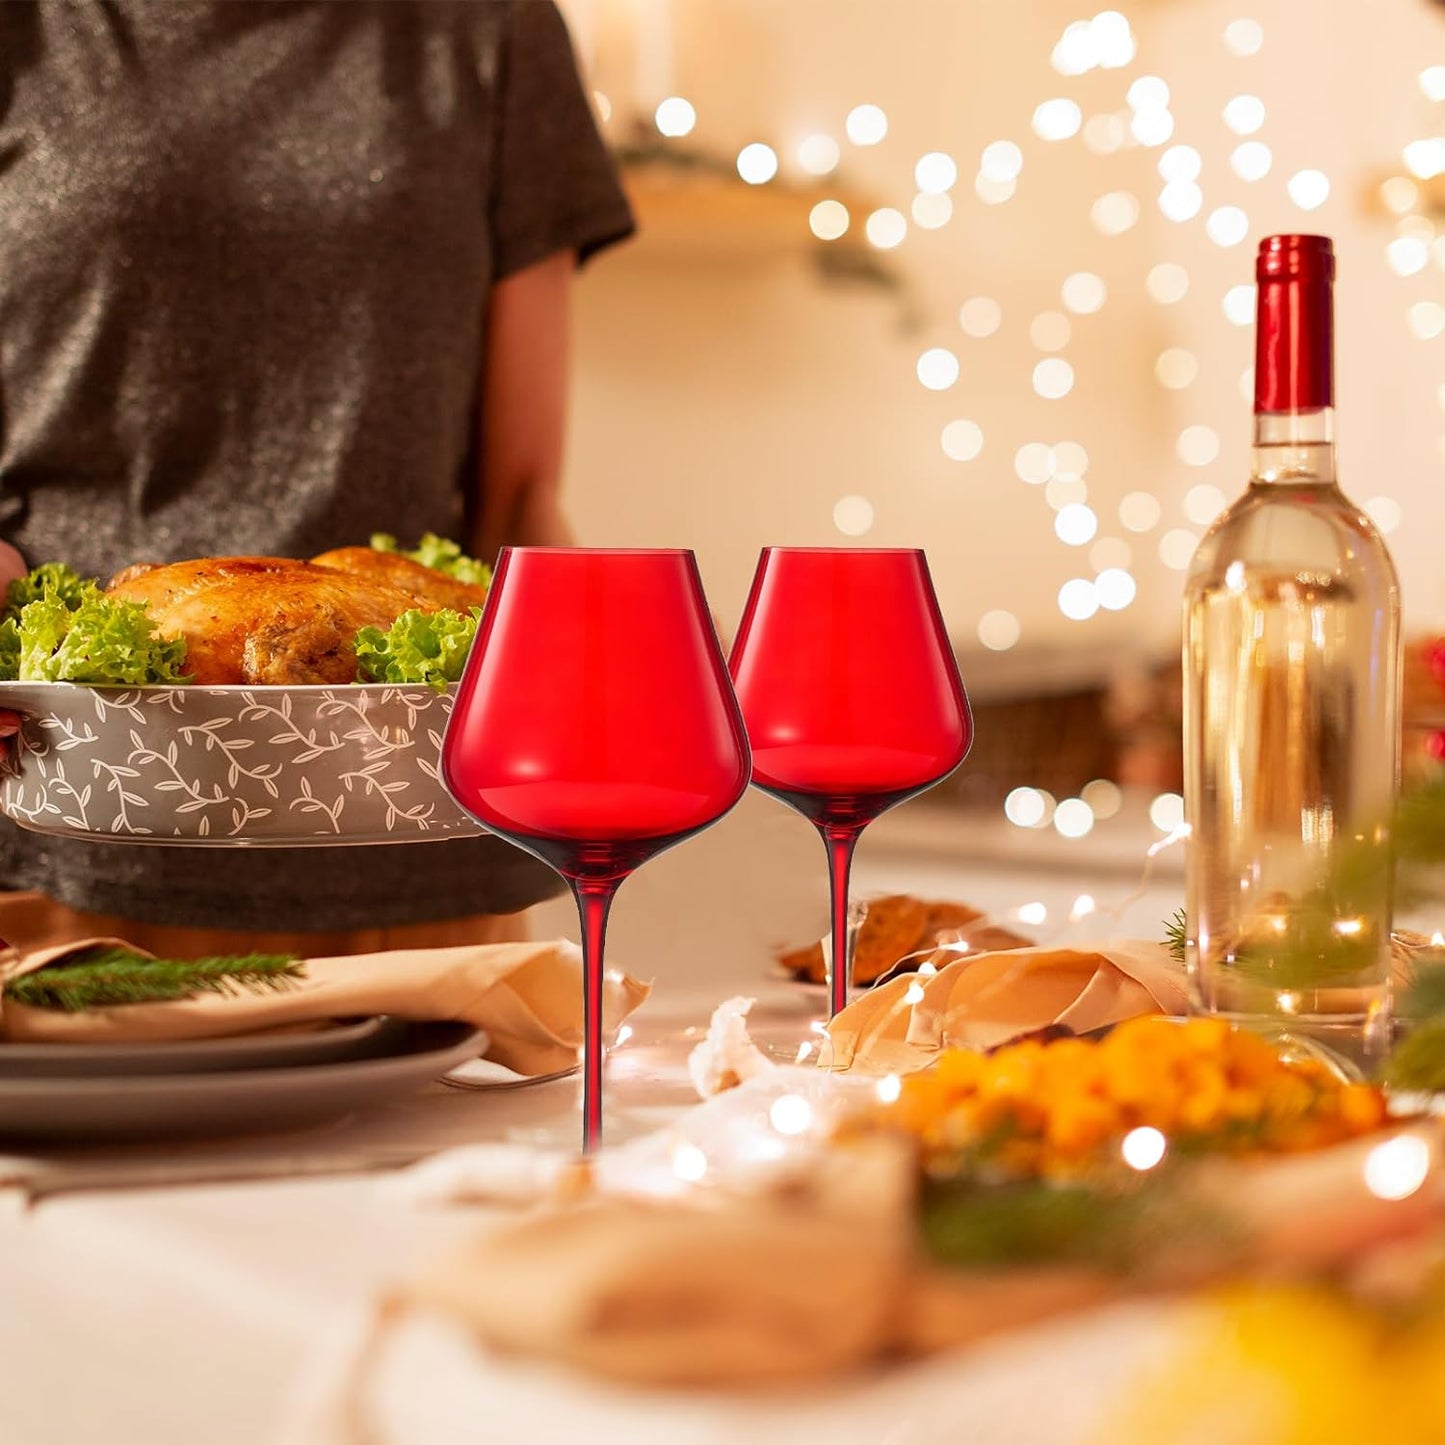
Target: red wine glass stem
point(594, 900)
point(840, 843)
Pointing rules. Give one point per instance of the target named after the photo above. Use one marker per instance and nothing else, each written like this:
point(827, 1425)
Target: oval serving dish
point(240, 765)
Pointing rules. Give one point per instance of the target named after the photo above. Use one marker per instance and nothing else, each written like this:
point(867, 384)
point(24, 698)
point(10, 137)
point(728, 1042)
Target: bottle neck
point(1293, 448)
point(1294, 362)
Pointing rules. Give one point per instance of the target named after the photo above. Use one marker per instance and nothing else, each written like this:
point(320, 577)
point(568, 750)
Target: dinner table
point(221, 1291)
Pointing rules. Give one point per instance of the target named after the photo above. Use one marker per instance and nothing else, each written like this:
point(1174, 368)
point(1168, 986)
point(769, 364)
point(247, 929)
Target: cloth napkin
point(527, 996)
point(821, 1275)
point(795, 1283)
point(983, 999)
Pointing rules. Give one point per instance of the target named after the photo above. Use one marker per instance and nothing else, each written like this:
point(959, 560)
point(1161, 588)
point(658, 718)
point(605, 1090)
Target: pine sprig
point(106, 977)
point(1425, 997)
point(1175, 935)
point(968, 1224)
point(1417, 1064)
point(1419, 843)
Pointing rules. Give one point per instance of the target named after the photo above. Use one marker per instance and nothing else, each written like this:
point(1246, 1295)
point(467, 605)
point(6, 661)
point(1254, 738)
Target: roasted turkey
point(279, 620)
point(428, 588)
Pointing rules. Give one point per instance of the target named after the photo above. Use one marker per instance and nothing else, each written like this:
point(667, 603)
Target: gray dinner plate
point(346, 1039)
point(101, 1109)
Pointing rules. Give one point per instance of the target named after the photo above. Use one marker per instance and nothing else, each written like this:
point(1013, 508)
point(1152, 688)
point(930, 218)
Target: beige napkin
point(983, 999)
point(720, 1290)
point(527, 996)
point(797, 1284)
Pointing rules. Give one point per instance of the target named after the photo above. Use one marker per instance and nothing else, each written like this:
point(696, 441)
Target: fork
point(483, 1086)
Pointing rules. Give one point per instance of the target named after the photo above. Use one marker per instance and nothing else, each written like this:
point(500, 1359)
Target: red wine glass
point(851, 694)
point(595, 725)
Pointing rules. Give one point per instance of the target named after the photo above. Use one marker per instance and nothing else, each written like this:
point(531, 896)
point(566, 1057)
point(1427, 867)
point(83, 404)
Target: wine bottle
point(1291, 705)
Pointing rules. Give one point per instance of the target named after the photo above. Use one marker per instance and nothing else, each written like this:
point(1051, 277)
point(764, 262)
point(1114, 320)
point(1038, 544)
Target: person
point(278, 276)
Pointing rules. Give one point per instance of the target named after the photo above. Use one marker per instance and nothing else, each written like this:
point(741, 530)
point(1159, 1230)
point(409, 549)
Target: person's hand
point(12, 566)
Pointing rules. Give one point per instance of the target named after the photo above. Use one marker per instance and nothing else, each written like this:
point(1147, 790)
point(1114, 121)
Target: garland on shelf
point(835, 261)
point(104, 977)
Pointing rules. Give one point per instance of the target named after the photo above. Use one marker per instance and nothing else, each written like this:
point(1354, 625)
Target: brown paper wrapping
point(984, 999)
point(527, 996)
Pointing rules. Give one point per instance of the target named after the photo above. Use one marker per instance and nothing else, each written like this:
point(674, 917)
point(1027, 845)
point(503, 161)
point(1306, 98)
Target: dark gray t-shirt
point(245, 251)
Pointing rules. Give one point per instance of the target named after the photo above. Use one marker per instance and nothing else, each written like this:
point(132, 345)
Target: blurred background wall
point(741, 381)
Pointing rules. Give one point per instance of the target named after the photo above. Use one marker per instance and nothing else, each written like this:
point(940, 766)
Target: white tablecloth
point(193, 1316)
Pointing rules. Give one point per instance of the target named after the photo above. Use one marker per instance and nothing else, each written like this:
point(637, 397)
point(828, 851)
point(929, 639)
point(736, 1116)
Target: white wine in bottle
point(1291, 705)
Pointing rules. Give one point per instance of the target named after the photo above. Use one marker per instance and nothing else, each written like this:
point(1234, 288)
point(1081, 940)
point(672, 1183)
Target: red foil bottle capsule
point(1294, 331)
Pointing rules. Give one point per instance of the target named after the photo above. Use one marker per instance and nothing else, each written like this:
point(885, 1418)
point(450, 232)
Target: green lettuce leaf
point(52, 578)
point(87, 637)
point(9, 650)
point(439, 553)
point(419, 647)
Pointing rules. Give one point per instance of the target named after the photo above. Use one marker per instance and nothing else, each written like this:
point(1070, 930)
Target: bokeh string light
point(1070, 460)
point(1243, 37)
point(1309, 189)
point(853, 516)
point(938, 368)
point(1167, 283)
point(1115, 588)
point(1238, 305)
point(931, 210)
point(819, 154)
point(1076, 524)
point(1105, 134)
point(980, 316)
point(1050, 331)
point(1198, 445)
point(1203, 503)
point(1034, 463)
point(1083, 293)
point(757, 163)
point(935, 173)
point(1057, 119)
point(866, 125)
point(1176, 368)
point(1140, 511)
point(1104, 42)
point(999, 630)
point(1053, 378)
point(1385, 512)
point(962, 440)
point(1244, 114)
point(886, 228)
point(674, 116)
point(829, 220)
point(1114, 213)
point(1078, 599)
point(1251, 160)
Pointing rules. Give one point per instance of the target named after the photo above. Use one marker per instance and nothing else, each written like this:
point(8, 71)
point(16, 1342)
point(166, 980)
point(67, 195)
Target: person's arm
point(12, 566)
point(524, 409)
